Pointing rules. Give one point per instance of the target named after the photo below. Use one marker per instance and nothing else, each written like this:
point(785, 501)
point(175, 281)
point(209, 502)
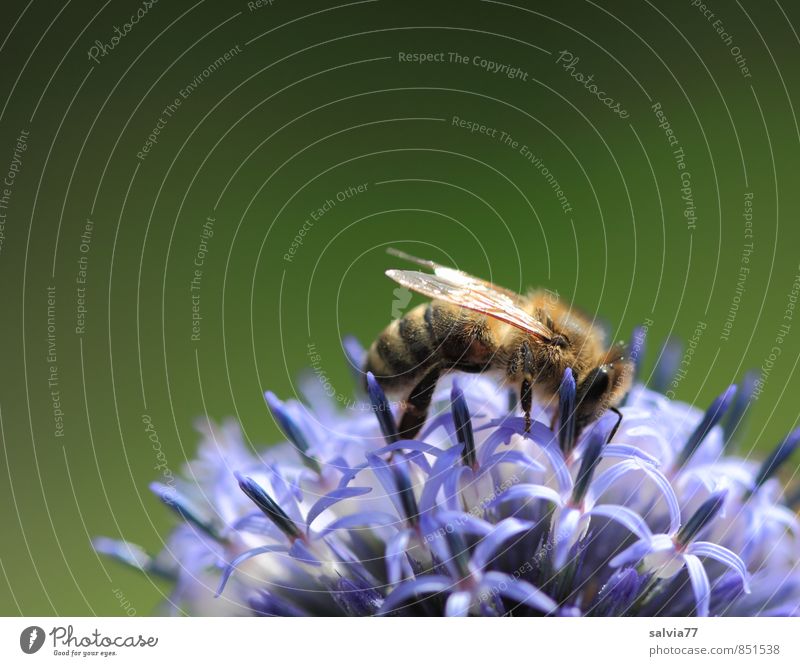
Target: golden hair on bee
point(472, 325)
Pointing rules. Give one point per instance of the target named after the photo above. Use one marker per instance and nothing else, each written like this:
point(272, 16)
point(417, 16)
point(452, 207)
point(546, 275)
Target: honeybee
point(472, 325)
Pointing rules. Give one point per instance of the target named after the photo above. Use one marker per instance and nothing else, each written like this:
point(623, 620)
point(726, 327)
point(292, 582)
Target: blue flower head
point(651, 513)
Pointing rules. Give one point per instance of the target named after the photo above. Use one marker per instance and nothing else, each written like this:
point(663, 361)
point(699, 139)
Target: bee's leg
point(525, 363)
point(526, 398)
point(419, 400)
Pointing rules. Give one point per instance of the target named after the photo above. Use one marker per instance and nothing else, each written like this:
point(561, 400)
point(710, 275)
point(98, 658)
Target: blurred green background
point(314, 99)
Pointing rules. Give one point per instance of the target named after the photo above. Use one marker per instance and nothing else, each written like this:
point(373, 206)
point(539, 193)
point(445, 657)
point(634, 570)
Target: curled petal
point(427, 585)
point(410, 445)
point(504, 530)
point(632, 554)
point(467, 522)
point(700, 584)
point(458, 604)
point(436, 478)
point(567, 532)
point(556, 458)
point(724, 556)
point(520, 591)
point(332, 498)
point(629, 451)
point(363, 519)
point(397, 564)
point(625, 517)
point(527, 491)
point(454, 479)
point(230, 568)
point(614, 473)
point(513, 458)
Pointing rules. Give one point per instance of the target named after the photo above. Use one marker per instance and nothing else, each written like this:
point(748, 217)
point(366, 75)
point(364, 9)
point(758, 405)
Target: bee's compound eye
point(596, 383)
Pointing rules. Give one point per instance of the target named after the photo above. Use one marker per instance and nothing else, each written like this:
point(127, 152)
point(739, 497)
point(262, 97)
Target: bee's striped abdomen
point(404, 350)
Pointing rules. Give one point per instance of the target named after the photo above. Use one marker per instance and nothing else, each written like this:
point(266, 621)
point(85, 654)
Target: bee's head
point(603, 386)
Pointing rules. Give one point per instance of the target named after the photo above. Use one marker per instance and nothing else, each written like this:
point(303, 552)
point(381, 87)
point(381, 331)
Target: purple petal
point(556, 458)
point(123, 551)
point(629, 451)
point(300, 552)
point(452, 486)
point(668, 494)
point(382, 409)
point(387, 479)
point(355, 353)
point(397, 565)
point(363, 519)
point(609, 477)
point(332, 498)
point(443, 464)
point(625, 517)
point(445, 420)
point(464, 523)
point(614, 473)
point(724, 556)
point(514, 458)
point(528, 491)
point(410, 445)
point(568, 523)
point(427, 585)
point(700, 584)
point(503, 531)
point(229, 569)
point(349, 473)
point(502, 435)
point(458, 604)
point(712, 416)
point(632, 554)
point(520, 591)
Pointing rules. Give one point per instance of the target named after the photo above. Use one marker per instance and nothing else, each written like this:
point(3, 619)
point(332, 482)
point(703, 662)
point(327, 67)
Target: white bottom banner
point(406, 641)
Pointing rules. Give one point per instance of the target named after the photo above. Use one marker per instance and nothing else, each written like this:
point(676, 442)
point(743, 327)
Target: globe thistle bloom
point(654, 514)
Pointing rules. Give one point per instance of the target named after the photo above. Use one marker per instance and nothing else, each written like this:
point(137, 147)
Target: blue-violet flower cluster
point(658, 516)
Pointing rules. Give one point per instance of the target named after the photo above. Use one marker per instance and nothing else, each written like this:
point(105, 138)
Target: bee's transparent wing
point(471, 293)
point(454, 275)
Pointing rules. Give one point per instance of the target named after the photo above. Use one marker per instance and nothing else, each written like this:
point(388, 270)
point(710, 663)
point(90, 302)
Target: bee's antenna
point(407, 257)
